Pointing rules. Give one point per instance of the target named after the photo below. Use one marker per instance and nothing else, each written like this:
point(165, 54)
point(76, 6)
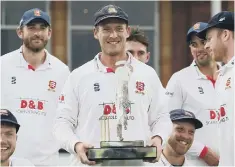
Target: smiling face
point(8, 141)
point(181, 137)
point(199, 53)
point(112, 34)
point(35, 35)
point(214, 43)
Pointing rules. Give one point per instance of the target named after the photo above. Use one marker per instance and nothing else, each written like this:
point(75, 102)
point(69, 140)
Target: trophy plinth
point(120, 150)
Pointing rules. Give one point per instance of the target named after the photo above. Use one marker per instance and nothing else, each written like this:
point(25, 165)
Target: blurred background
point(164, 22)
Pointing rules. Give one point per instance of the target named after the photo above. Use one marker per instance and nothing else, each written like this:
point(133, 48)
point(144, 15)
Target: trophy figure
point(120, 149)
point(122, 102)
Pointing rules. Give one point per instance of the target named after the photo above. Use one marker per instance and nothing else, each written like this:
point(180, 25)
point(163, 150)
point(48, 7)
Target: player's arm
point(163, 101)
point(158, 116)
point(211, 158)
point(198, 149)
point(175, 94)
point(67, 115)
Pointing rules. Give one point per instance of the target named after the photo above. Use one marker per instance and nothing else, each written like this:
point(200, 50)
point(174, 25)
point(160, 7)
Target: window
point(139, 13)
point(12, 11)
point(84, 47)
point(9, 41)
point(83, 12)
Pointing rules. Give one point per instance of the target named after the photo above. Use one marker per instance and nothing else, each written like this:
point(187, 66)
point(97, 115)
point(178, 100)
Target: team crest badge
point(61, 98)
point(196, 26)
point(228, 83)
point(140, 87)
point(52, 86)
point(37, 13)
point(112, 10)
point(4, 112)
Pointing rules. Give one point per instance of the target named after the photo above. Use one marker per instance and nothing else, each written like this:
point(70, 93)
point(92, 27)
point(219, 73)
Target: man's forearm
point(211, 158)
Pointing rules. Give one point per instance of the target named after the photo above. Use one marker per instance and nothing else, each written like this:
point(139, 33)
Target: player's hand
point(81, 150)
point(211, 158)
point(156, 141)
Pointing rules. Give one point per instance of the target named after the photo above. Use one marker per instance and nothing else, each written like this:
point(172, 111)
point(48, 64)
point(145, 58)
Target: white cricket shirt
point(20, 162)
point(191, 90)
point(89, 93)
point(164, 162)
point(225, 89)
point(32, 96)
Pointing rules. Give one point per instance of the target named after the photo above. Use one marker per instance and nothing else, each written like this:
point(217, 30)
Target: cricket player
point(193, 89)
point(219, 35)
point(31, 82)
point(137, 44)
point(90, 92)
point(9, 129)
point(180, 140)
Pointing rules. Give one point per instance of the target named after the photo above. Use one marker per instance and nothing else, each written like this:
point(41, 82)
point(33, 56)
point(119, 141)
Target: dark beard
point(28, 45)
point(204, 63)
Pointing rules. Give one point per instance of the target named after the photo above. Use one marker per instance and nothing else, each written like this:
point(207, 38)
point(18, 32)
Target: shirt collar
point(230, 64)
point(200, 75)
point(103, 68)
point(164, 160)
point(166, 163)
point(25, 64)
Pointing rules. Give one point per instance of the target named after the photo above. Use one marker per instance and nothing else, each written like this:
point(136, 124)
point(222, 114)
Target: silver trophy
point(122, 102)
point(120, 149)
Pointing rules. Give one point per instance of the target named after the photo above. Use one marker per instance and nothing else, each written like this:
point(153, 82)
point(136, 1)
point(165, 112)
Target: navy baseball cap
point(223, 20)
point(110, 11)
point(196, 28)
point(7, 117)
point(183, 115)
point(33, 14)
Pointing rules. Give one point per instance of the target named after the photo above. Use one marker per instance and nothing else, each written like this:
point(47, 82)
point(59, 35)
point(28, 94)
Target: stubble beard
point(28, 44)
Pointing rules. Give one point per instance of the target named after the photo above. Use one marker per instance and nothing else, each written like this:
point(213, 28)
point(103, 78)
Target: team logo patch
point(3, 112)
point(228, 83)
point(196, 26)
point(52, 86)
point(140, 87)
point(32, 106)
point(37, 13)
point(61, 98)
point(169, 93)
point(200, 89)
point(112, 10)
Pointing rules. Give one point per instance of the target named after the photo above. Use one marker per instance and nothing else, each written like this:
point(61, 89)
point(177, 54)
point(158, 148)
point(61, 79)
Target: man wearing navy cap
point(181, 138)
point(219, 36)
point(9, 129)
point(219, 28)
point(31, 82)
point(91, 90)
point(28, 21)
point(192, 88)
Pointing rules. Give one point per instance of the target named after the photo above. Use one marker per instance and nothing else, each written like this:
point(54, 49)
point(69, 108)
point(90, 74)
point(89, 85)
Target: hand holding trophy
point(120, 150)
